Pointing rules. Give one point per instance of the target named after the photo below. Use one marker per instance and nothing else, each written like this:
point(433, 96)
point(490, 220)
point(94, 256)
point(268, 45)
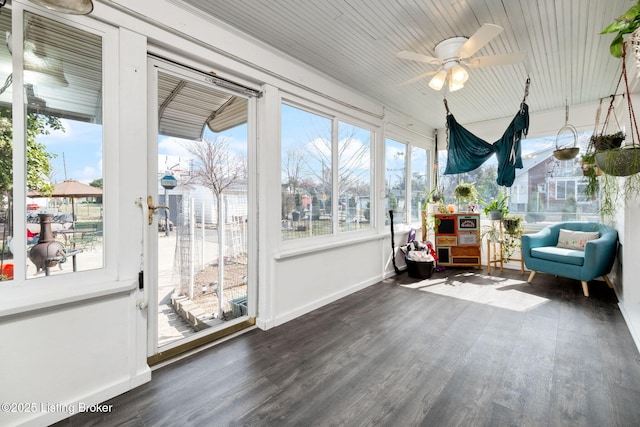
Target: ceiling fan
point(454, 53)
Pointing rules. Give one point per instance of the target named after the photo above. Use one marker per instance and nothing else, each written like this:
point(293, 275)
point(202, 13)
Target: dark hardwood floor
point(391, 355)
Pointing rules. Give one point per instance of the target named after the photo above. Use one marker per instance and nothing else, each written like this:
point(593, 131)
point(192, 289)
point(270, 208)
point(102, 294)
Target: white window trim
point(410, 140)
point(24, 294)
point(295, 247)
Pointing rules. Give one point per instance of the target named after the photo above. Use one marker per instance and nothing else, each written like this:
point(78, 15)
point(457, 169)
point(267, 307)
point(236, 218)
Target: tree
point(96, 183)
point(292, 175)
point(38, 159)
point(217, 168)
point(353, 162)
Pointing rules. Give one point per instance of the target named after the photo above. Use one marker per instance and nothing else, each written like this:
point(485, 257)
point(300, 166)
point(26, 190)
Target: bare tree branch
point(216, 166)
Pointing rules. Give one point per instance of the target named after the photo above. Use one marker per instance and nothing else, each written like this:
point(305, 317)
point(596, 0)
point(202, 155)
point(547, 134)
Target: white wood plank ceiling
point(356, 41)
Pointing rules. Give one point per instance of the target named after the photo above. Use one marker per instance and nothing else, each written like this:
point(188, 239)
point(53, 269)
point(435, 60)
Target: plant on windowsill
point(434, 202)
point(497, 208)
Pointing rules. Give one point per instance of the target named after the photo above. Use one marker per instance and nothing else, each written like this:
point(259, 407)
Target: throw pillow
point(570, 239)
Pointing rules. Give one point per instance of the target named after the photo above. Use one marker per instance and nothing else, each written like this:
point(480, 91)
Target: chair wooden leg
point(585, 288)
point(533, 273)
point(606, 279)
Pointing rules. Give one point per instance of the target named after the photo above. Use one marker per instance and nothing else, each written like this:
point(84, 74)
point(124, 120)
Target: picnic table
point(79, 238)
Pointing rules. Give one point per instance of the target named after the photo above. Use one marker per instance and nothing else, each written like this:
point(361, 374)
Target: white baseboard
point(70, 408)
point(285, 317)
point(630, 324)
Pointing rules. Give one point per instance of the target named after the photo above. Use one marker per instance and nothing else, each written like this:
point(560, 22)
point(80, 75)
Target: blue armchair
point(576, 257)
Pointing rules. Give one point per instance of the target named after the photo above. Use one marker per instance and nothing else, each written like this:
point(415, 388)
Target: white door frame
point(150, 260)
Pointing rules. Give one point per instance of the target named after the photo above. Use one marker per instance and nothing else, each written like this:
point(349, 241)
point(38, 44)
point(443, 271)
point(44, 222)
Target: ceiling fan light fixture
point(453, 85)
point(73, 7)
point(459, 74)
point(437, 82)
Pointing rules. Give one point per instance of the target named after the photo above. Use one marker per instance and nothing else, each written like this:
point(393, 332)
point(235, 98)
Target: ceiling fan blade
point(488, 61)
point(416, 78)
point(484, 35)
point(418, 57)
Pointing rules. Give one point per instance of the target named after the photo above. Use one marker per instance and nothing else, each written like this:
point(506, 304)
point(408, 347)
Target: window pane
point(354, 177)
point(6, 152)
point(306, 174)
point(63, 94)
point(419, 181)
point(395, 180)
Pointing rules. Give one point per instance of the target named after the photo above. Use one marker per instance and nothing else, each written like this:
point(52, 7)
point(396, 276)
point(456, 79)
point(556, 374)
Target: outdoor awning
point(184, 108)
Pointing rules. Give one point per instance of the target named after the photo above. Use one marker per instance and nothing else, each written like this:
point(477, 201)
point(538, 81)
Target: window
point(6, 150)
point(545, 190)
point(62, 147)
point(354, 177)
point(419, 181)
point(63, 88)
point(395, 179)
point(306, 173)
point(322, 156)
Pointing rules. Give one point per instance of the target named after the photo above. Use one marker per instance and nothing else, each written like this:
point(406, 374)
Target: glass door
point(199, 255)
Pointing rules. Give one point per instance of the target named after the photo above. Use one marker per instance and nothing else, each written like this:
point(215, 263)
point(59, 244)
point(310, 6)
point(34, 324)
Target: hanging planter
point(620, 161)
point(566, 152)
point(623, 161)
point(610, 156)
point(608, 142)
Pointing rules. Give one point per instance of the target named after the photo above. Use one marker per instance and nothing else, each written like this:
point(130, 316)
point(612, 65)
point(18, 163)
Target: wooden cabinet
point(457, 239)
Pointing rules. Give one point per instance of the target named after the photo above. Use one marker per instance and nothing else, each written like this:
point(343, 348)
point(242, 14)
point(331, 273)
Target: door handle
point(152, 208)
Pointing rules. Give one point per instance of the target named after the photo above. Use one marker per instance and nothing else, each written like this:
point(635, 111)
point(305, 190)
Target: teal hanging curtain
point(467, 152)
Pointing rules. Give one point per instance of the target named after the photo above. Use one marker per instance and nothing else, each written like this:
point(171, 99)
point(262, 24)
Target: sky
point(79, 150)
point(79, 147)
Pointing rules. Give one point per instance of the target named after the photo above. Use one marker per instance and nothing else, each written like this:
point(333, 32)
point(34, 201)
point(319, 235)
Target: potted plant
point(434, 201)
point(591, 171)
point(497, 208)
point(609, 156)
point(512, 225)
point(466, 193)
point(626, 23)
point(608, 142)
point(510, 243)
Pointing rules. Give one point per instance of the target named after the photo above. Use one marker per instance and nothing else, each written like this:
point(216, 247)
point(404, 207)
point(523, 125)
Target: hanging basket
point(608, 142)
point(620, 161)
point(563, 152)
